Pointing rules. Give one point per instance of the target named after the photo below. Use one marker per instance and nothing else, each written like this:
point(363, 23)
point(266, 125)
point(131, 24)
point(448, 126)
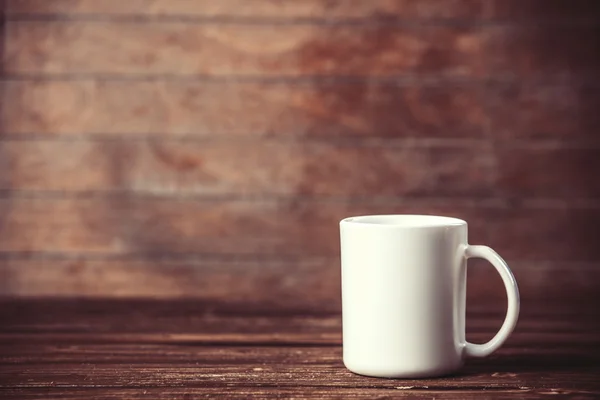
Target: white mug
point(403, 295)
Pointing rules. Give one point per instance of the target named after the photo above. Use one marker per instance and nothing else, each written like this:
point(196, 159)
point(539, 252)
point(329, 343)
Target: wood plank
point(23, 353)
point(64, 47)
point(376, 9)
point(543, 10)
point(182, 107)
point(302, 392)
point(565, 51)
point(332, 375)
point(242, 167)
point(225, 321)
point(557, 171)
point(287, 285)
point(272, 339)
point(545, 110)
point(301, 284)
point(97, 358)
point(275, 167)
point(283, 227)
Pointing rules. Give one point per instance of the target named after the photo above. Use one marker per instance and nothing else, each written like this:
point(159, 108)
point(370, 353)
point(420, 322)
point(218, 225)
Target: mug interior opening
point(406, 220)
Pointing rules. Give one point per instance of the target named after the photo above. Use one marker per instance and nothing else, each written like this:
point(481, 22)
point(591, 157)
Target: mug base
point(405, 373)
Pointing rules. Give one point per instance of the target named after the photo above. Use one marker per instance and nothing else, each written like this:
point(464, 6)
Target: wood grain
point(194, 321)
point(161, 354)
point(172, 107)
point(284, 227)
point(579, 11)
point(291, 167)
point(375, 9)
point(564, 51)
point(313, 284)
point(248, 167)
point(550, 172)
point(208, 149)
point(522, 343)
point(52, 47)
point(545, 110)
point(332, 375)
point(288, 392)
point(121, 348)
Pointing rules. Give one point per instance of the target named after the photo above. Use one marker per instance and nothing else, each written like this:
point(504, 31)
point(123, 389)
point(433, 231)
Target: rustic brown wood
point(564, 50)
point(226, 320)
point(289, 167)
point(295, 392)
point(526, 341)
point(312, 283)
point(250, 167)
point(579, 11)
point(486, 110)
point(253, 49)
point(545, 110)
point(280, 373)
point(162, 354)
point(377, 9)
point(299, 392)
point(103, 358)
point(554, 172)
point(283, 227)
point(215, 109)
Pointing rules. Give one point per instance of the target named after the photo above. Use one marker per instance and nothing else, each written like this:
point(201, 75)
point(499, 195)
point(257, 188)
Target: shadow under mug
point(403, 295)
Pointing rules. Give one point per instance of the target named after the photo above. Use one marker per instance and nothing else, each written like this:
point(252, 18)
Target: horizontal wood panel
point(379, 9)
point(294, 227)
point(536, 10)
point(260, 371)
point(272, 339)
point(267, 339)
point(91, 346)
point(565, 51)
point(189, 321)
point(544, 110)
point(281, 167)
point(303, 392)
point(564, 172)
point(278, 285)
point(332, 374)
point(195, 321)
point(110, 353)
point(222, 108)
point(247, 167)
point(222, 49)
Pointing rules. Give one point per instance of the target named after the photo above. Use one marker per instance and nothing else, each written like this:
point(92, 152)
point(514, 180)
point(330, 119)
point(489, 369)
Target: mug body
point(403, 294)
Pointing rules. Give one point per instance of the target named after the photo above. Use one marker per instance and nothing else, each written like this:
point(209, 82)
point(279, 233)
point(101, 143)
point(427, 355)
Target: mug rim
point(404, 221)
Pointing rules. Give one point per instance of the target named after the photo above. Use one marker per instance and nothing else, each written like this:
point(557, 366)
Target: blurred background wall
point(177, 148)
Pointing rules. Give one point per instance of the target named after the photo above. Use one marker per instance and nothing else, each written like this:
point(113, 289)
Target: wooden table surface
point(67, 348)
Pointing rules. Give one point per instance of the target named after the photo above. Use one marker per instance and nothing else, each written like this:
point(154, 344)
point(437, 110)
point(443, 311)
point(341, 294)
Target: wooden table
point(52, 348)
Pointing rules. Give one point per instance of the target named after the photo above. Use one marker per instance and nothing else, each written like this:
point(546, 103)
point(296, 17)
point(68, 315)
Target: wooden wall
point(208, 148)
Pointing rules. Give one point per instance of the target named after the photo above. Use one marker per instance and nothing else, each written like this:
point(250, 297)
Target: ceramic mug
point(403, 295)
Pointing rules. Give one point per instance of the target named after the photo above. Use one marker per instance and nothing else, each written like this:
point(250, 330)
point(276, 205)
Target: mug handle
point(512, 292)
